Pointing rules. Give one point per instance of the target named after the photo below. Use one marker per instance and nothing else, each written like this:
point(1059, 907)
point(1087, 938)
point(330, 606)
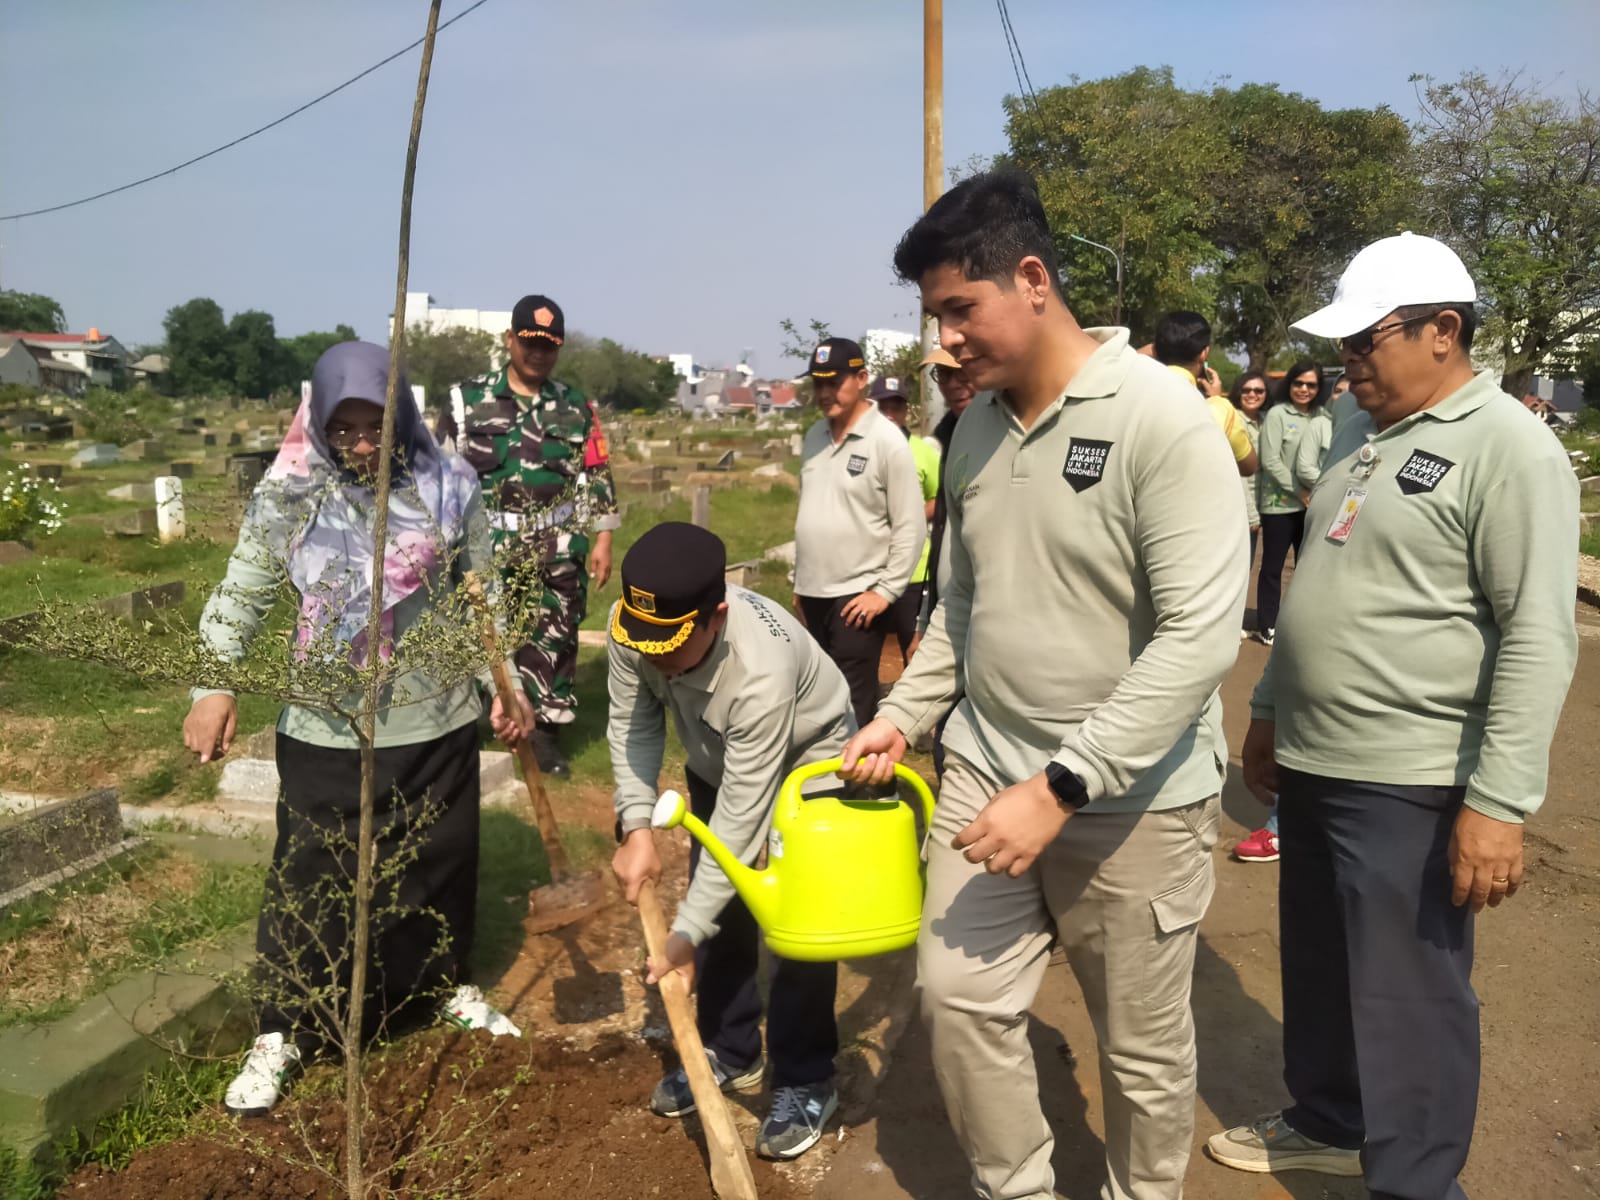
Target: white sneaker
point(469, 1010)
point(256, 1089)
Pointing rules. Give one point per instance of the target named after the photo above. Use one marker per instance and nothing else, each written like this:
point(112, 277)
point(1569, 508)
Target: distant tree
point(198, 348)
point(261, 363)
point(800, 345)
point(1511, 180)
point(609, 373)
point(303, 350)
point(29, 312)
point(440, 360)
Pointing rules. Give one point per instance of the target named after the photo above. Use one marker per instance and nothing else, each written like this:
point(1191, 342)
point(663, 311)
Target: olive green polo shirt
point(1431, 639)
point(1098, 571)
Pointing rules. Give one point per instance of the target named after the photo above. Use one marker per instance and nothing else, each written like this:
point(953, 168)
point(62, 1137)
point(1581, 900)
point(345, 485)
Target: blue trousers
point(1380, 1022)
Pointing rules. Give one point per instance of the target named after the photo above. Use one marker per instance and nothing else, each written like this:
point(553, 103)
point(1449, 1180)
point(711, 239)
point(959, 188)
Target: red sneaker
point(1260, 846)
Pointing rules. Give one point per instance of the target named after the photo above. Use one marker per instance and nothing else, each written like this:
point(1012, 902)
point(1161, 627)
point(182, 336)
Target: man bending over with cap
point(1405, 720)
point(1097, 546)
point(861, 522)
point(752, 697)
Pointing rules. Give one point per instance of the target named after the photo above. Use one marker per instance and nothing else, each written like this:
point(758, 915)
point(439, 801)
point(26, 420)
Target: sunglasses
point(1253, 391)
point(946, 374)
point(1361, 343)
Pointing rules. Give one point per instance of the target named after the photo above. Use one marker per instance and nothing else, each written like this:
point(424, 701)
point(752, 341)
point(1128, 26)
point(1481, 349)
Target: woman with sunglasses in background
point(1250, 396)
point(1283, 512)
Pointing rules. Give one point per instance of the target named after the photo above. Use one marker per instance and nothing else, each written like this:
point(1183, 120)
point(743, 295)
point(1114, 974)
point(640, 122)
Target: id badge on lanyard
point(1355, 495)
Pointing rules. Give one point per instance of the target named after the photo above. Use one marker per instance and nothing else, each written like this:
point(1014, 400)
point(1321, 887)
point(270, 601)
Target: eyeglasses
point(1361, 343)
point(1253, 391)
point(945, 374)
point(1302, 383)
point(349, 439)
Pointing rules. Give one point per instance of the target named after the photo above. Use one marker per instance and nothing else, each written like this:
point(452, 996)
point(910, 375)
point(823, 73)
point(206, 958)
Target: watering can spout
point(758, 889)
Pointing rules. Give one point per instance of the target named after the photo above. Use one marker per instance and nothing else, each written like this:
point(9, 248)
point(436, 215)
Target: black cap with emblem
point(671, 577)
point(836, 355)
point(539, 317)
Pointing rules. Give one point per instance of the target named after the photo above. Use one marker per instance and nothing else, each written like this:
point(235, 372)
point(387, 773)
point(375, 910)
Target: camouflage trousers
point(548, 663)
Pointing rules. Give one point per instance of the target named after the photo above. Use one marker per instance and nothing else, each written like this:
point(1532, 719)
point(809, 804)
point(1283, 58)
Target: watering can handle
point(830, 766)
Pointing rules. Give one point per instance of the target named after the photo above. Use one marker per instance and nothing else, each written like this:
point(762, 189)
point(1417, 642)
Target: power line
point(1005, 16)
point(39, 212)
point(1019, 68)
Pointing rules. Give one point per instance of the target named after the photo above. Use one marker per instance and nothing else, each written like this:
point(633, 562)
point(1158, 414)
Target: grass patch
point(80, 937)
point(1589, 543)
point(163, 1111)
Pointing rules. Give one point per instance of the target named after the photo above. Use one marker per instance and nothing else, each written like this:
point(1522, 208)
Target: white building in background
point(420, 310)
point(880, 345)
point(683, 365)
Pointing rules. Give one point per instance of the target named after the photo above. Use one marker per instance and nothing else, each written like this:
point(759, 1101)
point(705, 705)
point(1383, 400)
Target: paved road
point(1538, 976)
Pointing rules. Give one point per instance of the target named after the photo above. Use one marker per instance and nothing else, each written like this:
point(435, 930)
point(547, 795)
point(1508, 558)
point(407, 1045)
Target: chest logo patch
point(1422, 472)
point(857, 464)
point(1086, 462)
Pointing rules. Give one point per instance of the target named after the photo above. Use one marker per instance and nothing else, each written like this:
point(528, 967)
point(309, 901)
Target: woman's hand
point(512, 728)
point(208, 729)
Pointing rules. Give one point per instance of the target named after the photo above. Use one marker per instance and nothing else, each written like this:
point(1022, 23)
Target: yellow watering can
point(843, 878)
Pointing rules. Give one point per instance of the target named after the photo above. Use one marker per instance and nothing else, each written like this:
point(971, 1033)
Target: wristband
point(631, 825)
point(1067, 788)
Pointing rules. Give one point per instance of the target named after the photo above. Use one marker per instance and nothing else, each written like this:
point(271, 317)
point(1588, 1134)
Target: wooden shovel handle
point(731, 1178)
point(531, 775)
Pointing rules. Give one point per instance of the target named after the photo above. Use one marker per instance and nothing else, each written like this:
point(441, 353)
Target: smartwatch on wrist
point(631, 825)
point(1067, 788)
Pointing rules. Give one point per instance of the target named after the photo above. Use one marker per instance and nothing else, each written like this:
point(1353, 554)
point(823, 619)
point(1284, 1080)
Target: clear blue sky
point(679, 175)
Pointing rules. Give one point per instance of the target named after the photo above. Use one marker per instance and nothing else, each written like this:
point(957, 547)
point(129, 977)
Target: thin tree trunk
point(355, 1108)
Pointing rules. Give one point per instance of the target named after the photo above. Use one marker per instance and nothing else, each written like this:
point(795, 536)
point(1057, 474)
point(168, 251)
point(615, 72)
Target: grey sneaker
point(795, 1123)
point(1268, 1145)
point(672, 1097)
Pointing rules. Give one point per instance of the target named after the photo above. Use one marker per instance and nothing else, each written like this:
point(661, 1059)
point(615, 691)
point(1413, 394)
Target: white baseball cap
point(1390, 274)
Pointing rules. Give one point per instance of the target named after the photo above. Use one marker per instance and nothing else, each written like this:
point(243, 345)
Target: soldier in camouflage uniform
point(541, 456)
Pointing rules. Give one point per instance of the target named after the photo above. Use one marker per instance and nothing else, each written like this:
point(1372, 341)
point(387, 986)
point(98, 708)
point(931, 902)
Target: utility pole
point(932, 176)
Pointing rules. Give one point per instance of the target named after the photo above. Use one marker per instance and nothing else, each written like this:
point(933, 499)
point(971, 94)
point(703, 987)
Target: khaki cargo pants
point(1125, 894)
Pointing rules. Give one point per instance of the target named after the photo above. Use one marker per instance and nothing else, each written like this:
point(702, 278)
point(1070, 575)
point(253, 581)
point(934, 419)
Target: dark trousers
point(855, 651)
point(1380, 1022)
point(905, 611)
point(425, 887)
point(1279, 533)
point(802, 1036)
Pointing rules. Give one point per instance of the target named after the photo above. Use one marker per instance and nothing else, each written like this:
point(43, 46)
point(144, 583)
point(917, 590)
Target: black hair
point(1416, 312)
point(1235, 393)
point(984, 225)
point(1299, 369)
point(1181, 337)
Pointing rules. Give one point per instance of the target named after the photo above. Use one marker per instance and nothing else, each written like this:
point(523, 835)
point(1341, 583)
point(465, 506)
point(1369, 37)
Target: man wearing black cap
point(541, 456)
point(751, 698)
point(861, 522)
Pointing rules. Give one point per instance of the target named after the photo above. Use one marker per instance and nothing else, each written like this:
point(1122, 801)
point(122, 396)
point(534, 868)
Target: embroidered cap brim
point(650, 635)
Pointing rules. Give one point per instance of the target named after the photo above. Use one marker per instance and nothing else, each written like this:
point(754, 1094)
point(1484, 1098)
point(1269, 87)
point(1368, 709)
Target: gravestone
point(700, 508)
point(796, 444)
point(144, 493)
point(169, 508)
point(139, 523)
point(770, 470)
point(742, 574)
point(57, 841)
point(100, 454)
point(198, 422)
point(182, 470)
point(246, 473)
point(141, 451)
point(209, 439)
point(145, 601)
point(1591, 484)
point(47, 470)
point(235, 439)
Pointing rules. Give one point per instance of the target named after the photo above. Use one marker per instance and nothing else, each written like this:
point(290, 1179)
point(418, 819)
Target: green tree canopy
point(609, 373)
point(1243, 204)
point(1512, 183)
point(29, 312)
point(198, 348)
point(261, 363)
point(439, 361)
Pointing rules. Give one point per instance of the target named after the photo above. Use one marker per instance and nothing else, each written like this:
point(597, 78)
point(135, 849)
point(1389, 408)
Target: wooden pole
point(932, 177)
point(730, 1169)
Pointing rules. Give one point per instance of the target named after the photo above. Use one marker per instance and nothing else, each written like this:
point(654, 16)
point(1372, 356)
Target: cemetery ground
point(595, 1038)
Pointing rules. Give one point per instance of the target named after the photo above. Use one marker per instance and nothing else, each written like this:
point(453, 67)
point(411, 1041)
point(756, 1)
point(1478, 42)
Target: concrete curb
point(71, 1073)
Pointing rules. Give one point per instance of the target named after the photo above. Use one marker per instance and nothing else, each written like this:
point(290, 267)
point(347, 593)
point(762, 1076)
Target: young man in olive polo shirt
point(1405, 720)
point(860, 526)
point(1097, 543)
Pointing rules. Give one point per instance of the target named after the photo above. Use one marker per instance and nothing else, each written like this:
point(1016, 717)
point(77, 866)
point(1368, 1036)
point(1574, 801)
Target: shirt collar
point(1102, 374)
point(704, 677)
point(1465, 400)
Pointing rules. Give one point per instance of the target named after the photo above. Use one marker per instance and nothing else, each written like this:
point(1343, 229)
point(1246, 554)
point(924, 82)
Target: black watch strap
point(1068, 789)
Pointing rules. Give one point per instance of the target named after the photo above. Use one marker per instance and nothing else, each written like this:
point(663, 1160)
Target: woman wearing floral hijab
point(311, 519)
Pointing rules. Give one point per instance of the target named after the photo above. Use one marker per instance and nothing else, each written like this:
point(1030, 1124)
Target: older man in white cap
point(1405, 718)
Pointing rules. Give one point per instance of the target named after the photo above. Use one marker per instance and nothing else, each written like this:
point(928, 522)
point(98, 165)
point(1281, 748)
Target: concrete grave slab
point(100, 454)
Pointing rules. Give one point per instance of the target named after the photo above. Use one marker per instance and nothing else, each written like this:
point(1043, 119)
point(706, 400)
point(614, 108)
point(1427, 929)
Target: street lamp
point(1117, 320)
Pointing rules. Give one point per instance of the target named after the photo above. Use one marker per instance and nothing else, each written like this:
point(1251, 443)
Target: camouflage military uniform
point(546, 479)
